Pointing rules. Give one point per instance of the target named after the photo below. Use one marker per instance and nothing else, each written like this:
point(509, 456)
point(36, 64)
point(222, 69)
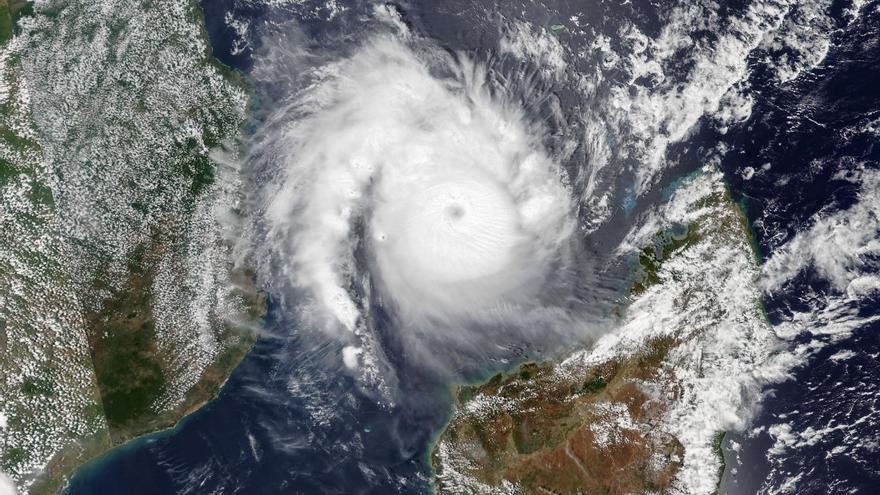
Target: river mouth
point(561, 219)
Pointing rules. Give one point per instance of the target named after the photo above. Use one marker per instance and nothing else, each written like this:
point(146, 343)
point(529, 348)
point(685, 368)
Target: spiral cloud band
point(462, 212)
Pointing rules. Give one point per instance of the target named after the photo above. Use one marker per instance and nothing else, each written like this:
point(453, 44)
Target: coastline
point(91, 451)
point(132, 312)
point(468, 430)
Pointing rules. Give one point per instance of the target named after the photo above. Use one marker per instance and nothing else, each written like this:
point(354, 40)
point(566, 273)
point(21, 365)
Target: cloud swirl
point(462, 211)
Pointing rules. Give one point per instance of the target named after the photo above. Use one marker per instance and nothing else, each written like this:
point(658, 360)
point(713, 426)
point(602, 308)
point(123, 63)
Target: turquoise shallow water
point(261, 437)
point(291, 421)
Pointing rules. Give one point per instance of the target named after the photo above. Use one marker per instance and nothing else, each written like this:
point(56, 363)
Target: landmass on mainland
point(121, 309)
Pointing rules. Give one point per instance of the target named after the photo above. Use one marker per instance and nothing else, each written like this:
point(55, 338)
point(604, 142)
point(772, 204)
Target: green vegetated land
point(541, 426)
point(130, 372)
point(122, 341)
point(5, 21)
point(664, 245)
point(10, 11)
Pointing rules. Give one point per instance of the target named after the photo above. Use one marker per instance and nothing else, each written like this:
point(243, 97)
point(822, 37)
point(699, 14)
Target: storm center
point(455, 211)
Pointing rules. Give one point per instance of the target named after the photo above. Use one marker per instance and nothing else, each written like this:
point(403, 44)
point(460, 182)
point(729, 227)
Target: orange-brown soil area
point(547, 430)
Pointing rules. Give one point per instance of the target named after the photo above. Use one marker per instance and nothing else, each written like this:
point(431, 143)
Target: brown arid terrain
point(559, 433)
point(640, 411)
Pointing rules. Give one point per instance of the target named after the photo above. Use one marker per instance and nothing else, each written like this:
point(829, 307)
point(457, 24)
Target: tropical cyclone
point(464, 211)
point(643, 409)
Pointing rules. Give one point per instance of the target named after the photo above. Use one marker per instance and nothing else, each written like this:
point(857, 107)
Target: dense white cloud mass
point(839, 245)
point(462, 211)
point(6, 485)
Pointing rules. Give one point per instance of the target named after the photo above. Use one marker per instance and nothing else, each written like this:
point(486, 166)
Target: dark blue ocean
point(811, 132)
point(285, 420)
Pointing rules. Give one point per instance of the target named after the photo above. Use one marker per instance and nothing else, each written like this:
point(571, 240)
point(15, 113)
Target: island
point(644, 410)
